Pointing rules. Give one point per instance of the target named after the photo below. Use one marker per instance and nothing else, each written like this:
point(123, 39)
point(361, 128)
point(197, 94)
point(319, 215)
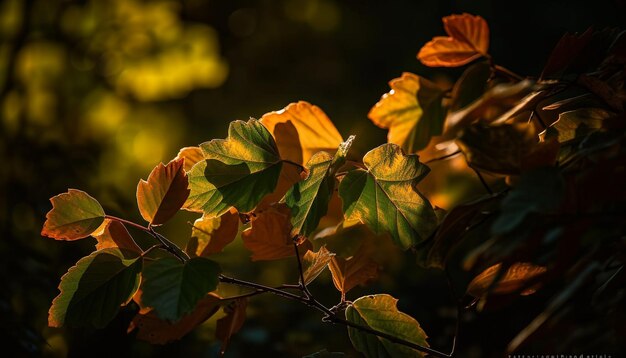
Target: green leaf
point(93, 290)
point(237, 172)
point(308, 200)
point(165, 191)
point(539, 191)
point(379, 312)
point(385, 197)
point(173, 288)
point(74, 215)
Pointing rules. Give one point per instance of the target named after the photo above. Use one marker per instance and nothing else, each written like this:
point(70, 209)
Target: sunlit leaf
point(210, 235)
point(269, 235)
point(316, 263)
point(74, 215)
point(173, 288)
point(579, 122)
point(93, 290)
point(152, 329)
point(165, 191)
point(512, 280)
point(301, 130)
point(379, 312)
point(308, 200)
point(232, 322)
point(191, 155)
point(468, 39)
point(237, 172)
point(355, 270)
point(412, 112)
point(385, 197)
point(114, 234)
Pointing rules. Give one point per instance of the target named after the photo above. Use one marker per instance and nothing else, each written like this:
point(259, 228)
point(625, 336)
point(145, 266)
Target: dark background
point(68, 120)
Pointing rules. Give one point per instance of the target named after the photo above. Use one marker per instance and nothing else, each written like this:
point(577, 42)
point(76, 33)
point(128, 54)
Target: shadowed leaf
point(317, 262)
point(114, 234)
point(74, 215)
point(232, 322)
point(210, 235)
point(579, 122)
point(471, 85)
point(165, 191)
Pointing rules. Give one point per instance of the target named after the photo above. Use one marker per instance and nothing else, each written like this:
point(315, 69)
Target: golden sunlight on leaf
point(232, 322)
point(210, 235)
point(114, 234)
point(513, 280)
point(301, 130)
point(468, 39)
point(74, 215)
point(192, 155)
point(152, 329)
point(165, 191)
point(269, 237)
point(355, 270)
point(317, 262)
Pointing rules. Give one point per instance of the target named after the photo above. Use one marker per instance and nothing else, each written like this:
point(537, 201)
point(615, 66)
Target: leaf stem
point(482, 180)
point(443, 157)
point(300, 166)
point(302, 285)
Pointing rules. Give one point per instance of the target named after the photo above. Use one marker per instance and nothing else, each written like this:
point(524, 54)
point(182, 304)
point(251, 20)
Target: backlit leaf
point(355, 270)
point(232, 322)
point(210, 235)
point(379, 312)
point(512, 280)
point(74, 215)
point(579, 122)
point(412, 112)
point(237, 172)
point(152, 329)
point(385, 197)
point(191, 155)
point(468, 39)
point(93, 290)
point(173, 288)
point(165, 191)
point(301, 130)
point(269, 235)
point(114, 234)
point(308, 200)
point(317, 262)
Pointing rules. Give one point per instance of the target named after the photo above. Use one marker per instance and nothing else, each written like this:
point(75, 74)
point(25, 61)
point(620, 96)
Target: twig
point(443, 157)
point(482, 180)
point(303, 287)
point(507, 73)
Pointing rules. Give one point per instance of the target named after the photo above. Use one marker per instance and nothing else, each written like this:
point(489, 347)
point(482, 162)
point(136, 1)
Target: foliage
point(550, 224)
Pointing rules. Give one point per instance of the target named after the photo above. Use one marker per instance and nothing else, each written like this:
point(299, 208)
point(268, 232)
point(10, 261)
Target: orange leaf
point(268, 236)
point(74, 215)
point(157, 331)
point(289, 175)
point(232, 322)
point(301, 130)
point(512, 280)
point(210, 235)
point(165, 191)
point(468, 39)
point(355, 270)
point(114, 234)
point(192, 155)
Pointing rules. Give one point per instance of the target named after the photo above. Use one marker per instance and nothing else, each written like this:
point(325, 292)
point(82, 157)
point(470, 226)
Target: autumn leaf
point(114, 234)
point(355, 270)
point(289, 176)
point(210, 235)
point(580, 122)
point(512, 280)
point(412, 111)
point(232, 322)
point(269, 235)
point(100, 282)
point(308, 200)
point(316, 263)
point(165, 191)
point(191, 155)
point(74, 215)
point(385, 197)
point(173, 288)
point(237, 172)
point(467, 40)
point(471, 85)
point(301, 130)
point(152, 329)
point(379, 312)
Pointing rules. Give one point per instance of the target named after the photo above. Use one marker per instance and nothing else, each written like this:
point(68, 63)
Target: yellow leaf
point(114, 234)
point(301, 130)
point(467, 40)
point(512, 280)
point(192, 155)
point(211, 235)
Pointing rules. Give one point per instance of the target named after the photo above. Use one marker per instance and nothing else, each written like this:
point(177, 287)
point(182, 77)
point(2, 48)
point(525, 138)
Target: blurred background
point(95, 93)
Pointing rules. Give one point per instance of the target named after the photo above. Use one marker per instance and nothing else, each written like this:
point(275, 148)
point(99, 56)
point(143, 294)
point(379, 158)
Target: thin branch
point(303, 287)
point(443, 157)
point(507, 73)
point(152, 248)
point(482, 180)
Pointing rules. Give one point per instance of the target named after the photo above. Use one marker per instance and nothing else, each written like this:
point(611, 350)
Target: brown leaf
point(165, 191)
point(355, 270)
point(157, 331)
point(114, 234)
point(513, 280)
point(317, 262)
point(268, 236)
point(301, 130)
point(468, 39)
point(210, 235)
point(192, 155)
point(232, 322)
